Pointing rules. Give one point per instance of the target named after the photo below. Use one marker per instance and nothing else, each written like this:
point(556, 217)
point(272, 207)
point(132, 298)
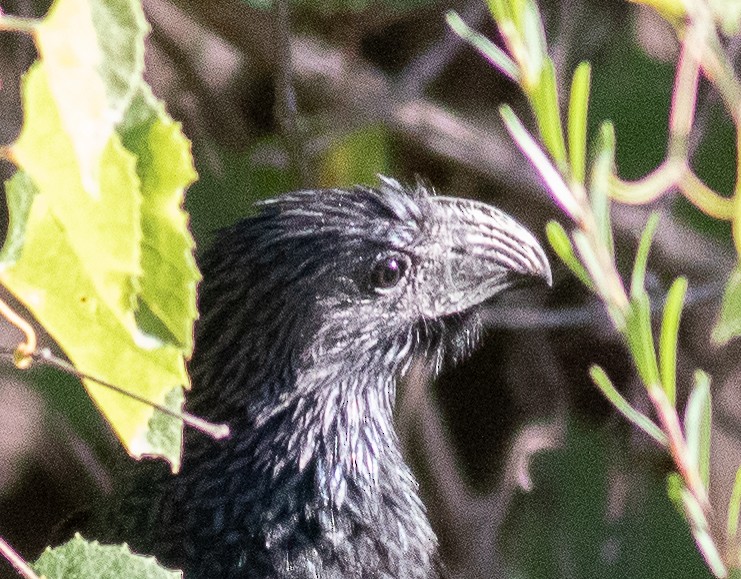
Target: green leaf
point(545, 103)
point(599, 185)
point(558, 189)
point(83, 272)
point(169, 273)
point(500, 10)
point(734, 506)
point(80, 559)
point(561, 244)
point(577, 121)
point(19, 192)
point(728, 325)
point(669, 336)
point(603, 382)
point(697, 425)
point(640, 340)
point(641, 262)
point(93, 55)
point(530, 25)
point(495, 55)
point(592, 264)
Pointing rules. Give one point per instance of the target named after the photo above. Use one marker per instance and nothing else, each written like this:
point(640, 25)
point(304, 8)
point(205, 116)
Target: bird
point(312, 310)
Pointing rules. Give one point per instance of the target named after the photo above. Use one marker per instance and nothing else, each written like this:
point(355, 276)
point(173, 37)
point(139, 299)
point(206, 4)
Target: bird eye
point(388, 271)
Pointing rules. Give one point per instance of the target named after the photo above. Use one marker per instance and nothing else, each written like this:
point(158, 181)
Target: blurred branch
point(286, 110)
point(425, 68)
point(19, 564)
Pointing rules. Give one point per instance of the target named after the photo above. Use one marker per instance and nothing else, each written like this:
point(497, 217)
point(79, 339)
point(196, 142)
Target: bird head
point(362, 268)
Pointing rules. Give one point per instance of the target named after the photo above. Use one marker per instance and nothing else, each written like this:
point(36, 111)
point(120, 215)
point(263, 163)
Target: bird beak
point(488, 251)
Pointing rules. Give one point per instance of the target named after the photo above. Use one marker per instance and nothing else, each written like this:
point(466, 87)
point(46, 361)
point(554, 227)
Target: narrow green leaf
point(639, 269)
point(728, 325)
point(495, 55)
point(640, 340)
point(642, 421)
point(734, 506)
point(553, 180)
point(561, 244)
point(674, 489)
point(533, 36)
point(668, 337)
point(577, 121)
point(697, 425)
point(549, 117)
point(499, 10)
point(599, 185)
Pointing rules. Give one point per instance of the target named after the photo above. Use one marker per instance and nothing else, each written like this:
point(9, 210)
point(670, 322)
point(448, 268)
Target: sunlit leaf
point(577, 121)
point(83, 271)
point(530, 148)
point(545, 103)
point(169, 273)
point(599, 183)
point(734, 506)
point(639, 334)
point(561, 244)
point(93, 55)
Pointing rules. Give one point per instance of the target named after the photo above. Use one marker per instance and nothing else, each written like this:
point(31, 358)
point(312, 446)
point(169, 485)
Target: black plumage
point(311, 310)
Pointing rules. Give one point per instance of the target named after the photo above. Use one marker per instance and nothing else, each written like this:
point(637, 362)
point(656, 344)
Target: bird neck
point(336, 422)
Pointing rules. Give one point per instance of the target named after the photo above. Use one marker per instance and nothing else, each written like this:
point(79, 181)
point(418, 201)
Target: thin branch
point(286, 110)
point(704, 198)
point(216, 431)
point(424, 69)
point(684, 95)
point(19, 564)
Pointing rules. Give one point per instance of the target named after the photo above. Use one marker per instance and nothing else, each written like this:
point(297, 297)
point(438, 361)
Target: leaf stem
point(25, 350)
point(704, 198)
point(19, 564)
point(214, 430)
point(677, 445)
point(648, 188)
point(684, 95)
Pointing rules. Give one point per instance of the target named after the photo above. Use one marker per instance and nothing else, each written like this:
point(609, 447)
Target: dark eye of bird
point(388, 271)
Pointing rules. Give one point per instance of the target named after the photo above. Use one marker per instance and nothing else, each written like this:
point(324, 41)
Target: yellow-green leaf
point(93, 55)
point(167, 303)
point(89, 266)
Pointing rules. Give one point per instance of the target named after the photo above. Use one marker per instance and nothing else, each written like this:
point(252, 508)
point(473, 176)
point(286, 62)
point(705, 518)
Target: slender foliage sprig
point(584, 193)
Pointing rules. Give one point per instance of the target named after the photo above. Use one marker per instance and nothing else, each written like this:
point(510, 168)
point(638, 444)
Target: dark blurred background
point(526, 470)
